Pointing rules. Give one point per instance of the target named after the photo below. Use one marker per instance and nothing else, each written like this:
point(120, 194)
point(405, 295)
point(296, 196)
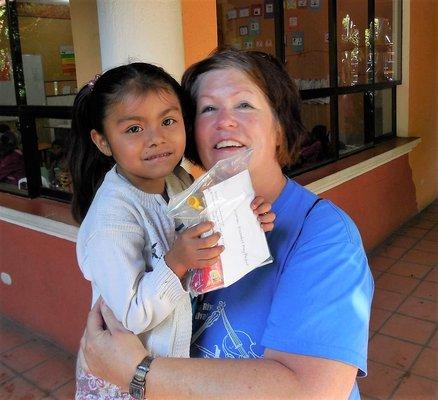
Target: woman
point(297, 328)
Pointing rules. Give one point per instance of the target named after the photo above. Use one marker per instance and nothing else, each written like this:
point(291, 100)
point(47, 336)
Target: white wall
point(141, 30)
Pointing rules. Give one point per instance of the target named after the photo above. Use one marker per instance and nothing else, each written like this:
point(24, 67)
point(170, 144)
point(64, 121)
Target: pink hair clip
point(93, 81)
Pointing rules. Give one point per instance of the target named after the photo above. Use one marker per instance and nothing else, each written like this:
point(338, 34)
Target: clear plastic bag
point(223, 195)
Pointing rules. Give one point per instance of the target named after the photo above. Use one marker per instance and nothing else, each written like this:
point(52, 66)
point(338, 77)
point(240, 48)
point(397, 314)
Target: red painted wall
point(48, 293)
point(50, 296)
point(379, 201)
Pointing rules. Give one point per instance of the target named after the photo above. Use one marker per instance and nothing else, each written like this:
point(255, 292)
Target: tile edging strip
point(69, 232)
point(38, 223)
point(340, 177)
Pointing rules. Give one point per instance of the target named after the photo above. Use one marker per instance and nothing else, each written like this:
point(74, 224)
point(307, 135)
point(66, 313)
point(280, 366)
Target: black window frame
point(27, 116)
point(335, 90)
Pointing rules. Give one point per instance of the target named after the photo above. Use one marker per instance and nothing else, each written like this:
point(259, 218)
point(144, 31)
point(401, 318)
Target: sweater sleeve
point(114, 263)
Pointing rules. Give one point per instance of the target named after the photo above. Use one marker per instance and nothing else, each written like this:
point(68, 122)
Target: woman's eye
point(134, 129)
point(169, 121)
point(206, 109)
point(245, 105)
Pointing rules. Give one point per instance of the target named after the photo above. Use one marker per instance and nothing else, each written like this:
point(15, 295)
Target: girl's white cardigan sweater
point(121, 247)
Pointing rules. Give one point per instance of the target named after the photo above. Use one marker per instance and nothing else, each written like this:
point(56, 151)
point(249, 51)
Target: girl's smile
point(145, 135)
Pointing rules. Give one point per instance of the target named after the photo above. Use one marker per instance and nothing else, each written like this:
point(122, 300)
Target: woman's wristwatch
point(137, 387)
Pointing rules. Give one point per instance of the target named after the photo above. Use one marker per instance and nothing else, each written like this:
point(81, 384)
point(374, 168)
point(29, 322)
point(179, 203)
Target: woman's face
point(232, 115)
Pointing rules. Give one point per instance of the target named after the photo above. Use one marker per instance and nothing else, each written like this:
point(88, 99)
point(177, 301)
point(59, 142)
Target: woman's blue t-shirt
point(314, 299)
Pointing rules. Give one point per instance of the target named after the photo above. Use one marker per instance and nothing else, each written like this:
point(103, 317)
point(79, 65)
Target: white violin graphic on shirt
point(235, 344)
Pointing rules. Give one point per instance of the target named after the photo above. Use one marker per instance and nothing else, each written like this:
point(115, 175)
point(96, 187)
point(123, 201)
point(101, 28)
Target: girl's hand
point(193, 251)
point(264, 214)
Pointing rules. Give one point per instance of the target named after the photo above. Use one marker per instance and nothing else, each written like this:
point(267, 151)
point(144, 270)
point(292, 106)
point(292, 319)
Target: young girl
point(128, 138)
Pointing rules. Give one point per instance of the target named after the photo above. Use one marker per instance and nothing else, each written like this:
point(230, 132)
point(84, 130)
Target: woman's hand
point(264, 214)
point(112, 353)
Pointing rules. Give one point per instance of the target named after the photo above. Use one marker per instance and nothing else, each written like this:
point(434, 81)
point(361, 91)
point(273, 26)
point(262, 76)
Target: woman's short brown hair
point(269, 75)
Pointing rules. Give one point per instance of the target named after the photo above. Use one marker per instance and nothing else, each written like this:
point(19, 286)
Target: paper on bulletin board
point(254, 27)
point(244, 12)
point(256, 10)
point(241, 234)
point(315, 4)
point(68, 65)
point(248, 44)
point(297, 42)
point(232, 14)
point(269, 8)
point(293, 21)
point(243, 30)
point(291, 4)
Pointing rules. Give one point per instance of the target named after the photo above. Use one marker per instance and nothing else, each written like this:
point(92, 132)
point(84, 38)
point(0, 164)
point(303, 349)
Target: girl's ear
point(101, 143)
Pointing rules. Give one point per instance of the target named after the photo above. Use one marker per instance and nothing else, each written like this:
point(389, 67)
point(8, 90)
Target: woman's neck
point(268, 183)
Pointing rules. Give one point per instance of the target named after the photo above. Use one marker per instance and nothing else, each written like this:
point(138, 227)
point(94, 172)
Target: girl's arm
point(113, 354)
point(115, 265)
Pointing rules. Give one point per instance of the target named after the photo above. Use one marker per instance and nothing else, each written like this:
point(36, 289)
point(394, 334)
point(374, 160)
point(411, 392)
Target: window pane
point(7, 89)
point(319, 145)
point(351, 123)
point(307, 48)
point(244, 24)
point(12, 173)
point(383, 112)
point(352, 18)
point(52, 146)
point(47, 52)
point(387, 25)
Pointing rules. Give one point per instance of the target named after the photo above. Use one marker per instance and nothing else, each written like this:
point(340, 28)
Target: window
point(38, 86)
point(344, 56)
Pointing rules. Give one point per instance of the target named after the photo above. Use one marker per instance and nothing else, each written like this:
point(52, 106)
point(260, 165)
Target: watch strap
point(137, 387)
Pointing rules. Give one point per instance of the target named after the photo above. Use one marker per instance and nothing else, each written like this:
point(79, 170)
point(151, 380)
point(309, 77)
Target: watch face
point(136, 390)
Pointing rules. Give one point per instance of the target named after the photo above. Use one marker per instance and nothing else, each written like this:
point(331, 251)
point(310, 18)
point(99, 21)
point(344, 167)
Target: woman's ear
point(101, 143)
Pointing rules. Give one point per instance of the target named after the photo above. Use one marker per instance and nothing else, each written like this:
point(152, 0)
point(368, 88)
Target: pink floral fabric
point(90, 387)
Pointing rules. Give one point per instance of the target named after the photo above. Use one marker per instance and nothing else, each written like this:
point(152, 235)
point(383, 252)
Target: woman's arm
point(114, 353)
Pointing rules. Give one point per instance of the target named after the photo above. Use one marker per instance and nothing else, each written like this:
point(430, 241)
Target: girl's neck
point(151, 186)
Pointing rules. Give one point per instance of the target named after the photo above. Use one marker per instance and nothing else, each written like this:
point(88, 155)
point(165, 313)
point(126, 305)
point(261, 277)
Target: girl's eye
point(134, 129)
point(207, 109)
point(169, 121)
point(245, 105)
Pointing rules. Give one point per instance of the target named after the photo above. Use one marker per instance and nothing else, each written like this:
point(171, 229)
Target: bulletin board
point(307, 41)
point(247, 24)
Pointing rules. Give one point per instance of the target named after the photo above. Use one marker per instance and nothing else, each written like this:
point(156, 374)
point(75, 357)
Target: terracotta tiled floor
point(32, 368)
point(403, 350)
point(403, 347)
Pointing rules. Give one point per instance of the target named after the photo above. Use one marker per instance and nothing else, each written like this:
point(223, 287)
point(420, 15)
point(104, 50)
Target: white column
point(141, 30)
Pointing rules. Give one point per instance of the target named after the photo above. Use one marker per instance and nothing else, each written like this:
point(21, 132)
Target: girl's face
point(146, 137)
point(232, 115)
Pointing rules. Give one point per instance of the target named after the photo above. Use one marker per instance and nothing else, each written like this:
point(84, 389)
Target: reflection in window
point(318, 145)
point(352, 22)
point(351, 123)
point(383, 112)
point(307, 48)
point(386, 37)
point(12, 171)
point(52, 148)
point(7, 89)
point(47, 53)
point(248, 25)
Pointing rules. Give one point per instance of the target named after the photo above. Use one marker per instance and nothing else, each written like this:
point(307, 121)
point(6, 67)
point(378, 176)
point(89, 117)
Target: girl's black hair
point(87, 164)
